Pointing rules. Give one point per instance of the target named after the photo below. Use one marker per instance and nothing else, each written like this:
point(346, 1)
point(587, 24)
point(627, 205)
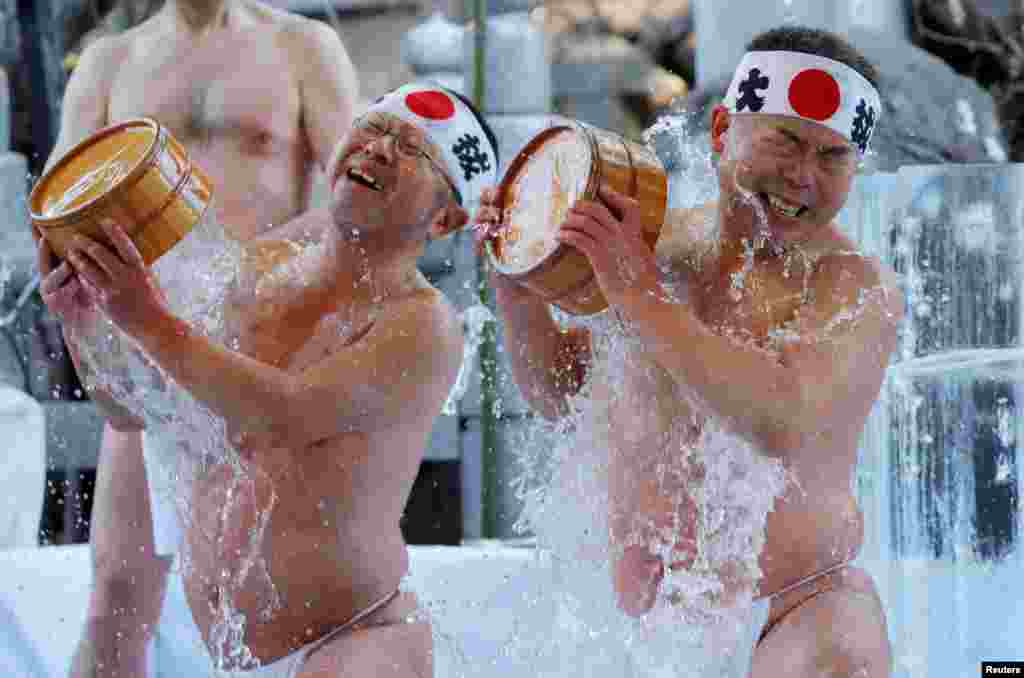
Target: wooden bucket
point(556, 168)
point(134, 173)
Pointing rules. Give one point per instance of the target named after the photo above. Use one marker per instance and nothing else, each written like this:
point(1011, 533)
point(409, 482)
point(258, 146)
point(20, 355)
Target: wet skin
point(246, 100)
point(344, 370)
point(802, 401)
point(259, 98)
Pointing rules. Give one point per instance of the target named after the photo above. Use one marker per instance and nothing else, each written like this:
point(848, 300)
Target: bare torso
point(232, 98)
point(331, 510)
point(812, 526)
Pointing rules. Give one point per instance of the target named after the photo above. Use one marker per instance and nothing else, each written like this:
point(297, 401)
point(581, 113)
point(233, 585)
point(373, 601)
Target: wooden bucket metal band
point(186, 175)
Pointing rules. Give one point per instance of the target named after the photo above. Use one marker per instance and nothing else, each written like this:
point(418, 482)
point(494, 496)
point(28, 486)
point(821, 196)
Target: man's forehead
point(806, 130)
point(407, 129)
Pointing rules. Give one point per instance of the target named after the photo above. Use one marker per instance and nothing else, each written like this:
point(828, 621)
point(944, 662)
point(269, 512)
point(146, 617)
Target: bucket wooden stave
point(134, 173)
point(557, 273)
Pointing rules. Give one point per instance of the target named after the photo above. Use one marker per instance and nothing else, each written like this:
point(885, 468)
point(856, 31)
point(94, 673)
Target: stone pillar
point(725, 26)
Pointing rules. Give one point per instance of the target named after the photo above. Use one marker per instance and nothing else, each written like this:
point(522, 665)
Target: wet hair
point(817, 42)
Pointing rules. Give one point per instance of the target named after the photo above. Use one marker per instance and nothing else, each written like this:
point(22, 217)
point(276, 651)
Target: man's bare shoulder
point(429, 313)
point(845, 277)
point(103, 56)
point(414, 338)
point(427, 319)
point(260, 257)
point(297, 34)
point(308, 227)
point(836, 254)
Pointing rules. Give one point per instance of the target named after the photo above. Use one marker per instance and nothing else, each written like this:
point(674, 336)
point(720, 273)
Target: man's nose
point(800, 171)
point(382, 147)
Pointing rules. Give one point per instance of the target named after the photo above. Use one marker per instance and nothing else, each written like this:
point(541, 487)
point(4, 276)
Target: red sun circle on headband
point(814, 94)
point(431, 104)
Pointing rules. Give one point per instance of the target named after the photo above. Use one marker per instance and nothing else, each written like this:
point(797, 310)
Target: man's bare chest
point(284, 328)
point(751, 299)
point(238, 89)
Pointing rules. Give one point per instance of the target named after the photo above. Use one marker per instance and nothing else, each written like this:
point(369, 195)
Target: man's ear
point(720, 121)
point(447, 220)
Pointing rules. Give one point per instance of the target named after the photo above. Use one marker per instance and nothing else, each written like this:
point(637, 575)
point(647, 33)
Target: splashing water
point(565, 490)
point(718, 490)
point(473, 320)
point(185, 441)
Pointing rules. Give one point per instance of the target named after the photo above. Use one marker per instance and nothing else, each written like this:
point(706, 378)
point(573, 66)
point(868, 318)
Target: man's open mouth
point(361, 177)
point(783, 206)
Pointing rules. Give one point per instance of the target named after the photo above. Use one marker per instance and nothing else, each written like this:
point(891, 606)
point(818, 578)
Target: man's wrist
point(162, 331)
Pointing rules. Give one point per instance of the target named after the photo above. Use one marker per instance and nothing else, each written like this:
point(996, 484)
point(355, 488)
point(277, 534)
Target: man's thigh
point(839, 633)
point(394, 651)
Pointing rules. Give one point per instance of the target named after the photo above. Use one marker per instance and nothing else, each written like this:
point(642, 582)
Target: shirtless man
point(329, 400)
point(259, 97)
point(790, 359)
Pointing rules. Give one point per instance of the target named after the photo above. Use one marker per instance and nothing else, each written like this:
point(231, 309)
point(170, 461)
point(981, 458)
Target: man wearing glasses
point(341, 358)
point(259, 97)
point(775, 341)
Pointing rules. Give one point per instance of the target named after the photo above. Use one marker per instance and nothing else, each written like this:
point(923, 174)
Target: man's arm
point(328, 88)
point(128, 579)
point(118, 417)
point(84, 107)
point(548, 364)
point(411, 347)
point(832, 366)
point(84, 111)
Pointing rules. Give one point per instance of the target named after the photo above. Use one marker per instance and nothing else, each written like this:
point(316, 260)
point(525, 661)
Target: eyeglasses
point(376, 127)
point(833, 160)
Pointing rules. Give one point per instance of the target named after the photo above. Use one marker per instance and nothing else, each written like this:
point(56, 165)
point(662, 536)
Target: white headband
point(809, 87)
point(470, 157)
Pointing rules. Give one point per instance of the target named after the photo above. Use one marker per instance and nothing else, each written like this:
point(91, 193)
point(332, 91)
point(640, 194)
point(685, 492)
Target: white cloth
point(160, 479)
point(809, 87)
point(22, 468)
point(471, 158)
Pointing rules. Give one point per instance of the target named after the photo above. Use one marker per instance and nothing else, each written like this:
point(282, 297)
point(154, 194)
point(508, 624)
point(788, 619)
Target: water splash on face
point(474, 319)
